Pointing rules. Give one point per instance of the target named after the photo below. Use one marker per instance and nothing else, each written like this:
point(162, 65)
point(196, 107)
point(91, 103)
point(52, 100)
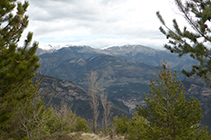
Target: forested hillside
point(127, 92)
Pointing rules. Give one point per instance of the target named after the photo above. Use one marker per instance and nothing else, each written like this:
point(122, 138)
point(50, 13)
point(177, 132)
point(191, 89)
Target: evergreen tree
point(18, 65)
point(168, 113)
point(138, 128)
point(192, 40)
point(121, 125)
point(133, 129)
point(32, 118)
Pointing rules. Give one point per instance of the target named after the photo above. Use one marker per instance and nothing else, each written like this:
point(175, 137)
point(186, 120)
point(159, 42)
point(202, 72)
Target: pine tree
point(194, 39)
point(32, 118)
point(18, 65)
point(133, 129)
point(168, 113)
point(138, 128)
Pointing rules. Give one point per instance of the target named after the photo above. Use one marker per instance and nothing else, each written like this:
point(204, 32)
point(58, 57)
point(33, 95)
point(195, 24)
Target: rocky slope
point(147, 55)
point(60, 92)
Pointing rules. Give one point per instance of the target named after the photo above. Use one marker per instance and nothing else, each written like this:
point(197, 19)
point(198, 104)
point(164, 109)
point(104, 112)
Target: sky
point(99, 23)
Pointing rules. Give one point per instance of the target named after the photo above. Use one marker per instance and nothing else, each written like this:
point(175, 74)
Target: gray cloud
point(96, 22)
point(75, 9)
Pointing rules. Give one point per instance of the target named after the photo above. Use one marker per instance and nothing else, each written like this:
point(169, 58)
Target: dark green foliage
point(81, 125)
point(30, 119)
point(33, 117)
point(135, 128)
point(17, 65)
point(23, 114)
point(193, 42)
point(65, 121)
point(166, 115)
point(169, 115)
point(121, 124)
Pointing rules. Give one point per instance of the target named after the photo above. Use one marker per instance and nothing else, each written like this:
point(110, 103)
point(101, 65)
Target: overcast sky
point(99, 23)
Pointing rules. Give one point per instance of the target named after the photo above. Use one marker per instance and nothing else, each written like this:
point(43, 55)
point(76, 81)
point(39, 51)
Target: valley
point(123, 72)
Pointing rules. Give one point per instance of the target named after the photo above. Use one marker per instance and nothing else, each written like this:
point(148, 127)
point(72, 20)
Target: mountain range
point(123, 72)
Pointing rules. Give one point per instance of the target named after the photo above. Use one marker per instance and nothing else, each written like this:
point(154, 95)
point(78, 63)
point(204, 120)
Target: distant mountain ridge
point(112, 71)
point(137, 53)
point(147, 55)
point(123, 72)
point(118, 66)
point(54, 61)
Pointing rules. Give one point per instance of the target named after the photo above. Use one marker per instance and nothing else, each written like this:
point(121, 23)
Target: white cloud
point(108, 42)
point(98, 23)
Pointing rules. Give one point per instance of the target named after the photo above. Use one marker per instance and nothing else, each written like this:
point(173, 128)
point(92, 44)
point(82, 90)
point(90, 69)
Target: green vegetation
point(166, 115)
point(194, 39)
point(17, 66)
point(65, 121)
point(135, 128)
point(23, 114)
point(121, 124)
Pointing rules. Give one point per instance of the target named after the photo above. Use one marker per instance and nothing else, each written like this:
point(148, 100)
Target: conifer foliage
point(194, 39)
point(18, 65)
point(168, 113)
